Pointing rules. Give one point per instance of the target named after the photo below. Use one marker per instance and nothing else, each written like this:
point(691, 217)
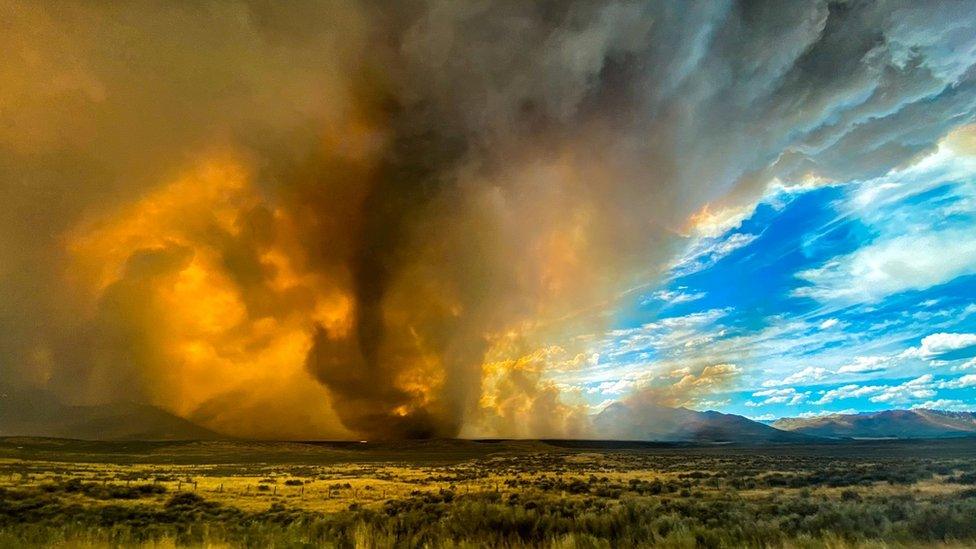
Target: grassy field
point(477, 493)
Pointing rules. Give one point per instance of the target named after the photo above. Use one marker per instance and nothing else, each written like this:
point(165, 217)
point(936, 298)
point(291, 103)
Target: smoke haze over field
point(338, 219)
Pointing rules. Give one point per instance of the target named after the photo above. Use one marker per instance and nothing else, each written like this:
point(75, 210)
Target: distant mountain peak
point(915, 423)
point(35, 412)
point(653, 422)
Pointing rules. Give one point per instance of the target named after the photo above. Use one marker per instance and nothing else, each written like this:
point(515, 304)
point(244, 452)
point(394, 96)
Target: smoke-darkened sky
point(412, 219)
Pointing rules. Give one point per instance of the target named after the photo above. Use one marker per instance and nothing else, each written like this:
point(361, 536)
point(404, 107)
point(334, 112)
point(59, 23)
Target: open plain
point(456, 493)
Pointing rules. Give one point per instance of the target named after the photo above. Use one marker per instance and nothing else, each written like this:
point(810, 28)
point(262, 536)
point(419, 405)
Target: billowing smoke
point(330, 219)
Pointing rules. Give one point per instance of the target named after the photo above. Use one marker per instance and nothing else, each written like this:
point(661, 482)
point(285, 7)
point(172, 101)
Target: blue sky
point(825, 296)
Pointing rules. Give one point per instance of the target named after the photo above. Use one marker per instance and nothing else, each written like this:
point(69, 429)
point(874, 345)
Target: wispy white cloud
point(828, 324)
point(666, 337)
point(674, 297)
point(943, 404)
point(852, 390)
point(963, 382)
point(893, 265)
point(865, 364)
point(709, 404)
point(919, 243)
point(789, 396)
point(969, 364)
point(914, 389)
point(806, 375)
point(918, 388)
point(706, 252)
point(600, 406)
point(940, 344)
point(617, 387)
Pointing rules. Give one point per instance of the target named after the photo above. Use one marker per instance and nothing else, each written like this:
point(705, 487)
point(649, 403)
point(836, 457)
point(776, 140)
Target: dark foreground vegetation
point(540, 495)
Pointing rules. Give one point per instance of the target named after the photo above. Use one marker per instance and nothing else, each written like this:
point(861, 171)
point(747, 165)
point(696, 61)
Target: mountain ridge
point(916, 423)
point(649, 422)
point(38, 413)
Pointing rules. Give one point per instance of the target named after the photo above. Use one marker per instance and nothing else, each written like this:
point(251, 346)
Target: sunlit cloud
point(485, 219)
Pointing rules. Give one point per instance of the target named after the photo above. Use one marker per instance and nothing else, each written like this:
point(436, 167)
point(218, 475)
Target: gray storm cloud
point(341, 218)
